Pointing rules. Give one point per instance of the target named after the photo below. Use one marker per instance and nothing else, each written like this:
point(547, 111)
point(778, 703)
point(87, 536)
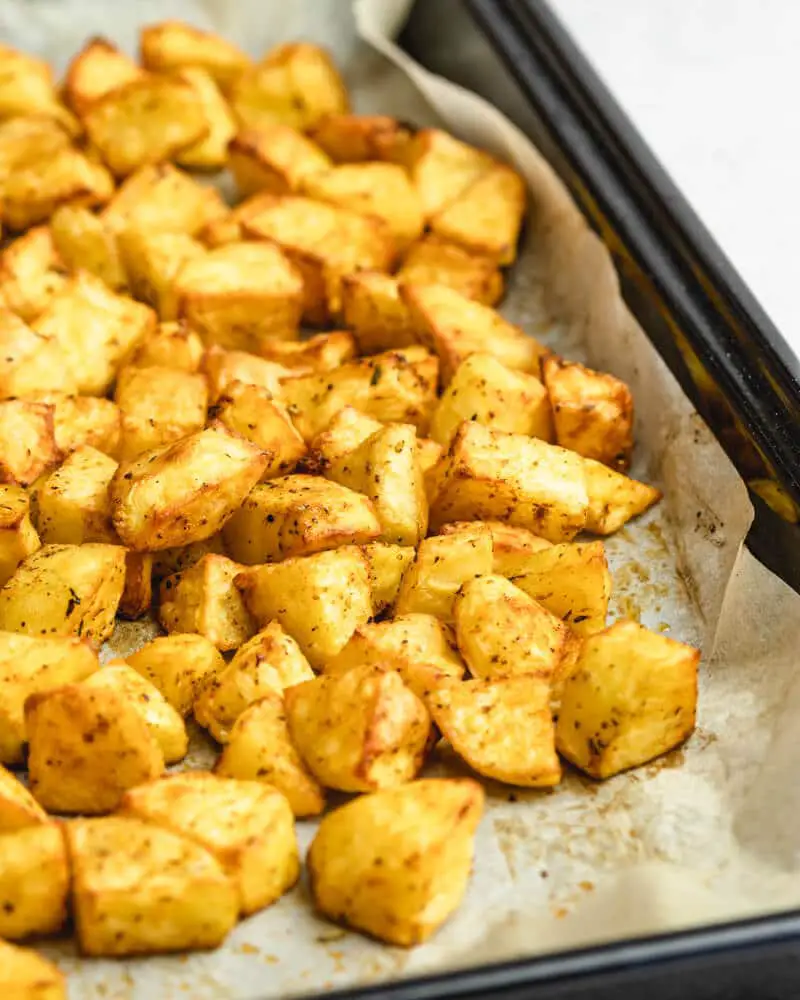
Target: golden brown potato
point(95, 328)
point(27, 441)
point(18, 537)
point(137, 594)
point(455, 327)
point(179, 666)
point(34, 880)
point(274, 157)
point(138, 889)
point(145, 121)
point(97, 69)
point(172, 45)
point(296, 84)
point(25, 975)
point(240, 296)
point(320, 353)
point(270, 661)
point(396, 863)
point(85, 242)
point(320, 599)
point(441, 167)
point(204, 600)
point(614, 498)
point(185, 491)
point(359, 731)
point(502, 727)
point(163, 199)
point(346, 431)
point(30, 364)
point(171, 345)
point(511, 546)
point(18, 808)
point(158, 406)
point(211, 152)
point(592, 412)
point(246, 825)
point(28, 139)
point(356, 138)
point(31, 272)
point(394, 387)
point(324, 242)
point(442, 565)
point(260, 748)
point(487, 474)
point(85, 421)
point(176, 560)
point(297, 516)
point(72, 503)
point(373, 309)
point(153, 262)
point(29, 665)
point(387, 564)
point(631, 697)
point(77, 589)
point(572, 581)
point(165, 724)
point(26, 88)
point(227, 227)
point(87, 745)
point(434, 261)
point(485, 391)
point(222, 368)
point(428, 454)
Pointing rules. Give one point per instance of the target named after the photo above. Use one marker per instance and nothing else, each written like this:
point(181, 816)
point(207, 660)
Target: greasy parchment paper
point(708, 833)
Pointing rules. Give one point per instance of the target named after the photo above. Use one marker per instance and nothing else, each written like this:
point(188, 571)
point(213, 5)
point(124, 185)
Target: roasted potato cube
point(72, 503)
point(614, 498)
point(176, 560)
point(29, 665)
point(359, 731)
point(502, 632)
point(34, 880)
point(592, 412)
point(30, 364)
point(380, 189)
point(320, 353)
point(18, 808)
point(85, 242)
point(428, 454)
point(356, 138)
point(222, 368)
point(387, 564)
point(227, 227)
point(139, 889)
point(18, 537)
point(511, 546)
point(240, 296)
point(25, 975)
point(346, 431)
point(179, 666)
point(631, 697)
point(442, 566)
point(297, 84)
point(319, 599)
point(246, 825)
point(153, 262)
point(297, 516)
point(26, 88)
point(144, 122)
point(97, 69)
point(165, 724)
point(419, 647)
point(183, 492)
point(373, 309)
point(204, 600)
point(249, 410)
point(77, 588)
point(137, 595)
point(456, 327)
point(572, 581)
point(29, 139)
point(441, 167)
point(158, 406)
point(433, 261)
point(324, 242)
point(396, 863)
point(487, 474)
point(85, 421)
point(270, 661)
point(211, 152)
point(274, 158)
point(394, 387)
point(27, 441)
point(173, 45)
point(171, 345)
point(502, 727)
point(163, 199)
point(260, 748)
point(31, 272)
point(95, 328)
point(87, 745)
point(485, 391)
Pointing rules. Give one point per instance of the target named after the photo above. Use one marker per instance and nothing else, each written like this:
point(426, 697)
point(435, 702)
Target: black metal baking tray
point(732, 363)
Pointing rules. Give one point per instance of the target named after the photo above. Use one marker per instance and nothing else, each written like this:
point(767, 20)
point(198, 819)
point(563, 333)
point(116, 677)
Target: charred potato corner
point(365, 509)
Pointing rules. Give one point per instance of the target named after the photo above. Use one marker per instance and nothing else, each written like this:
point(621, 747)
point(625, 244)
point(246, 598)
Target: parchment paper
point(706, 834)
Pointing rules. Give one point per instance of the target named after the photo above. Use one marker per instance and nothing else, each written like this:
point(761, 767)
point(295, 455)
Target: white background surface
point(713, 85)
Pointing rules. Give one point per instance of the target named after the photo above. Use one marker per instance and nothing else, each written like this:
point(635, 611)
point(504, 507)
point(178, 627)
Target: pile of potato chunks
point(376, 524)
